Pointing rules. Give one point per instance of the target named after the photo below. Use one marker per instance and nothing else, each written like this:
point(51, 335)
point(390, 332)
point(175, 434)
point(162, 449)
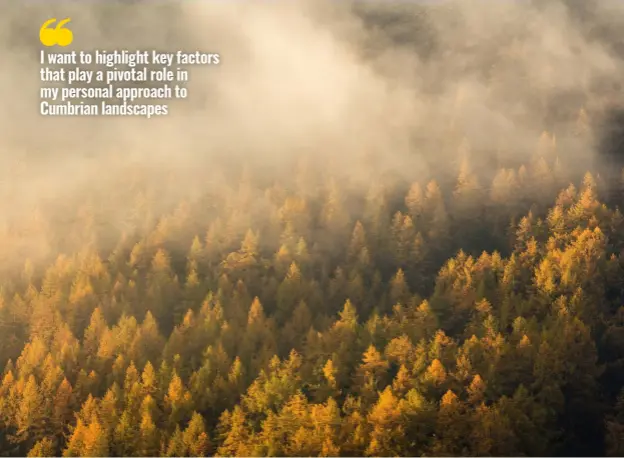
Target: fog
point(359, 89)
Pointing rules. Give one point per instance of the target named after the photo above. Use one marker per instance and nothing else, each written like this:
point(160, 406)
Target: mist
point(359, 90)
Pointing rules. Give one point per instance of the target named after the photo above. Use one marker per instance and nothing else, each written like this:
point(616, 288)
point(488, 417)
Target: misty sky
point(358, 86)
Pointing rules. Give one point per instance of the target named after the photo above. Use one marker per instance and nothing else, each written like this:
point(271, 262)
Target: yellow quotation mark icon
point(56, 36)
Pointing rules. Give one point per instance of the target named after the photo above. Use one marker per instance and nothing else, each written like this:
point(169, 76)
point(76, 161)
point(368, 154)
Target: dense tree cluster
point(304, 317)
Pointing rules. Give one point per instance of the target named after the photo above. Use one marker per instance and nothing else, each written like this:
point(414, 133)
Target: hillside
point(376, 230)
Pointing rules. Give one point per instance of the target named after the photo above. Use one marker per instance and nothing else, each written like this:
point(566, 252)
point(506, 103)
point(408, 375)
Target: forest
point(389, 266)
point(272, 321)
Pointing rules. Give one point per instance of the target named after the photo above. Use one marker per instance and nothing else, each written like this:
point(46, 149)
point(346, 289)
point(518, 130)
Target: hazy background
point(365, 89)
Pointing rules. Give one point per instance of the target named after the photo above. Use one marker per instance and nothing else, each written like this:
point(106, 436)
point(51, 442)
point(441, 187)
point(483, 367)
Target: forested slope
point(376, 229)
point(296, 318)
